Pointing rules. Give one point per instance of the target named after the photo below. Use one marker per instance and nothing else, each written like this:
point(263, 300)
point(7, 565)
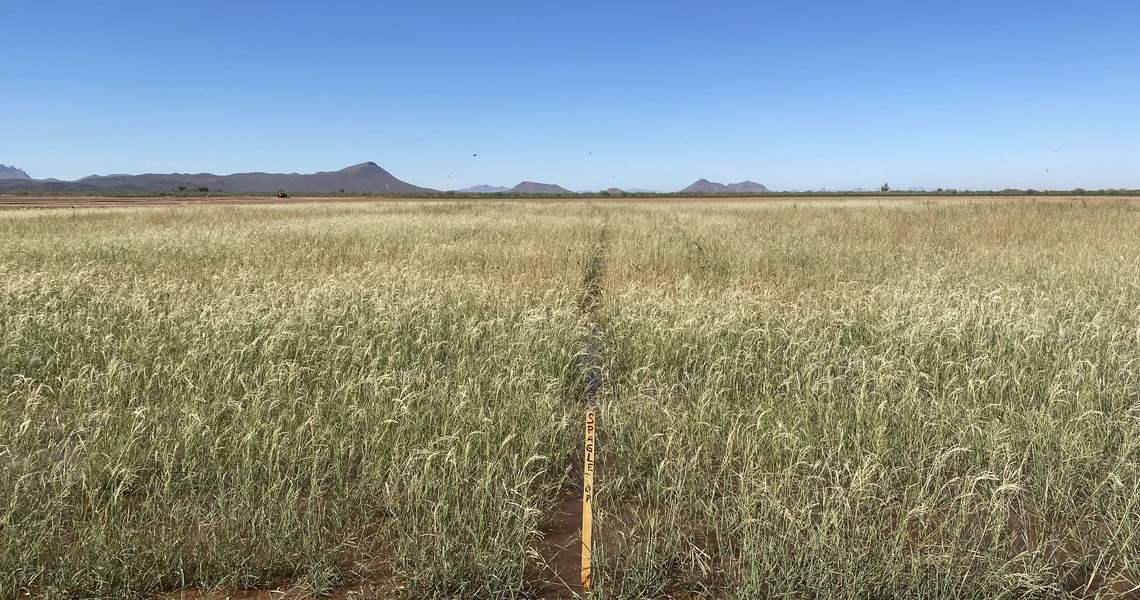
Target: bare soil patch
point(560, 550)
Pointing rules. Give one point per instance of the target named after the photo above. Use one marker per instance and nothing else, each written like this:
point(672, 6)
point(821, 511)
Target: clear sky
point(586, 94)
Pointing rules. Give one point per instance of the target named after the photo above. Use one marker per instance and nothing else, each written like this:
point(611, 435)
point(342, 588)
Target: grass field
point(852, 399)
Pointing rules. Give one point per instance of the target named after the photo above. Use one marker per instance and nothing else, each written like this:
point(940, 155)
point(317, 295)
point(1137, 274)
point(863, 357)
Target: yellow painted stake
point(588, 501)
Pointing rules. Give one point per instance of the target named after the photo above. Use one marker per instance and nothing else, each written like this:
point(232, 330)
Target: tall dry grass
point(851, 399)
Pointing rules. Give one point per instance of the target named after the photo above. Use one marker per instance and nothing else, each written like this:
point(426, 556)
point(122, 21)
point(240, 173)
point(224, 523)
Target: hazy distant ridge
point(482, 189)
point(364, 177)
point(704, 186)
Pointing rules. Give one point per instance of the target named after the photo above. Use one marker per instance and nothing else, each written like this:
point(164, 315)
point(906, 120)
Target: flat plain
point(904, 398)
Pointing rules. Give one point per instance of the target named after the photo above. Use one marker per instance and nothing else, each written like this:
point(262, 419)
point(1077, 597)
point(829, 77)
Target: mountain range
point(704, 186)
point(365, 177)
point(528, 188)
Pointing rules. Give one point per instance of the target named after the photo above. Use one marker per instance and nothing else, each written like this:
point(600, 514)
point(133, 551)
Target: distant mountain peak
point(704, 186)
point(531, 187)
point(7, 172)
point(747, 186)
point(363, 167)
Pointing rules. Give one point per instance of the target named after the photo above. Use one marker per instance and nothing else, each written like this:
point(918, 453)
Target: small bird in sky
point(474, 155)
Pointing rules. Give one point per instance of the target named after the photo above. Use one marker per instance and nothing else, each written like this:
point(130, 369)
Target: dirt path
point(560, 549)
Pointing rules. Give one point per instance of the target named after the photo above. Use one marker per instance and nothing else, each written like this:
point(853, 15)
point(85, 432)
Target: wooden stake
point(588, 501)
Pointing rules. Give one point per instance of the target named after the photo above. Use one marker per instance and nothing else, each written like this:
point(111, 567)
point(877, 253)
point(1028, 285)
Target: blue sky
point(589, 95)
